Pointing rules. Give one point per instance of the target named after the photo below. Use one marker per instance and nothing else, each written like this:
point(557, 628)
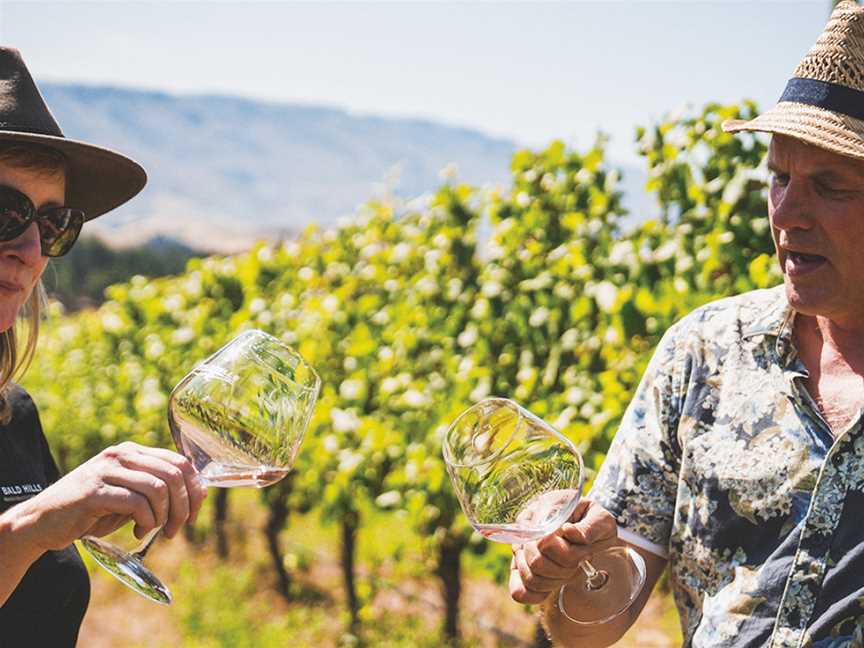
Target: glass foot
point(128, 569)
point(582, 601)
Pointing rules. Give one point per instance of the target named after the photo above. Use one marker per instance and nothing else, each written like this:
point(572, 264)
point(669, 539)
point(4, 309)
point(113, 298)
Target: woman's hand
point(545, 566)
point(152, 486)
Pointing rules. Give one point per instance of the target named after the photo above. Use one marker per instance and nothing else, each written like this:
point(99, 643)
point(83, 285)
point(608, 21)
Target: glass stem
point(148, 539)
point(596, 579)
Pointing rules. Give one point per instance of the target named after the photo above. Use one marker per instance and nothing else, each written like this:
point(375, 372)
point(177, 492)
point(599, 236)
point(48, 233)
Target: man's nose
point(793, 207)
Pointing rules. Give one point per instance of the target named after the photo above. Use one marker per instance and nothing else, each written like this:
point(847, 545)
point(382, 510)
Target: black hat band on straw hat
point(822, 94)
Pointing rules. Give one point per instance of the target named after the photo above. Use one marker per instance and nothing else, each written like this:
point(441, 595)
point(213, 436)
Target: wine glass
point(518, 480)
point(239, 417)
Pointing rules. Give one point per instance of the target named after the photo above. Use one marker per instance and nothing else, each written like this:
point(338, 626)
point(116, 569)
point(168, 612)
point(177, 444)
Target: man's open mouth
point(798, 263)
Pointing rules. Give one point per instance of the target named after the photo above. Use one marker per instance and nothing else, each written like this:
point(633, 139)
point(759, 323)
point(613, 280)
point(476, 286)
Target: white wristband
point(643, 543)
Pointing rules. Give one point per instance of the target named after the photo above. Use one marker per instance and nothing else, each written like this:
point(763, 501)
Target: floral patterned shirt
point(725, 464)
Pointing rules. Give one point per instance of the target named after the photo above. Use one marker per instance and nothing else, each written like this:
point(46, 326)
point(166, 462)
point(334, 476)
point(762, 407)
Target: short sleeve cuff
point(650, 531)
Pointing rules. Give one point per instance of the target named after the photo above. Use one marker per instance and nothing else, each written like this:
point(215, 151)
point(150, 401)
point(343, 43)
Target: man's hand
point(545, 566)
point(152, 486)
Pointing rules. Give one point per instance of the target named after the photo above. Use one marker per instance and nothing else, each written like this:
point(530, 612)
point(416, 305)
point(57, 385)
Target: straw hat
point(97, 179)
point(823, 103)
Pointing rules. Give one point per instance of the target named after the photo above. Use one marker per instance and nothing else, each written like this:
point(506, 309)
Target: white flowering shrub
point(409, 320)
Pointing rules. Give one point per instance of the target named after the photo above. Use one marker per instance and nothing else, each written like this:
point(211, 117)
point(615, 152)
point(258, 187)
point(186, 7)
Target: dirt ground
point(118, 618)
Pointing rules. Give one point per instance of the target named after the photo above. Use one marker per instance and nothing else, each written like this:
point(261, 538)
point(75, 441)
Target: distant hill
point(78, 280)
point(225, 170)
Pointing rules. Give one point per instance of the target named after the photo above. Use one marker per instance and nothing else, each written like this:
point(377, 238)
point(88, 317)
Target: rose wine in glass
point(518, 480)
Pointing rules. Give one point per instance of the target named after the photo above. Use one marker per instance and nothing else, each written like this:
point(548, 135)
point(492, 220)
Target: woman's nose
point(27, 247)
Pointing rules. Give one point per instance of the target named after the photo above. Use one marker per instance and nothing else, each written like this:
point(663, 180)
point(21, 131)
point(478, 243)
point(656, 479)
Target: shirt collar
point(775, 321)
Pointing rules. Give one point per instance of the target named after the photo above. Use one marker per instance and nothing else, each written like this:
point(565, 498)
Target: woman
point(48, 187)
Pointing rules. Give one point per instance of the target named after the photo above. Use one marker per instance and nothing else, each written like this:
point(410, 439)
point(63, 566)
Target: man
point(740, 461)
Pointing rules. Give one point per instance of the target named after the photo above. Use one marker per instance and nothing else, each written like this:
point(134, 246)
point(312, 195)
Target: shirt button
point(837, 459)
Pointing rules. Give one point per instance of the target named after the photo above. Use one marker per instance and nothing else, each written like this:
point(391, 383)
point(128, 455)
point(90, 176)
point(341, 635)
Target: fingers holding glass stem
point(609, 579)
point(195, 483)
point(174, 491)
point(168, 493)
point(593, 577)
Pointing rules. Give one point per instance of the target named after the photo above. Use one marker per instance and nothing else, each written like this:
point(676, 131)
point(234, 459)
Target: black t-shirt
point(47, 607)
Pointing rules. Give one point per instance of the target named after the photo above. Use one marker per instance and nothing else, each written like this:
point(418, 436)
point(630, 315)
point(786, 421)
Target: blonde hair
point(18, 342)
point(17, 350)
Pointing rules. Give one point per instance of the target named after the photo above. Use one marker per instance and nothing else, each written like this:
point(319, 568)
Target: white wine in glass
point(239, 417)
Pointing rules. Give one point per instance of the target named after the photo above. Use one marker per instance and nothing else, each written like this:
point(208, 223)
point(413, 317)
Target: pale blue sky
point(528, 71)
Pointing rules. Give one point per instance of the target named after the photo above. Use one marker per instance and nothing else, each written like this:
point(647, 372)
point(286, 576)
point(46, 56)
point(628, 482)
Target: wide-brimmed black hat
point(97, 179)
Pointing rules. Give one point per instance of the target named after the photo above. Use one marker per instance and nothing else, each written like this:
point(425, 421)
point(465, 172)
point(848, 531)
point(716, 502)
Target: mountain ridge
point(233, 169)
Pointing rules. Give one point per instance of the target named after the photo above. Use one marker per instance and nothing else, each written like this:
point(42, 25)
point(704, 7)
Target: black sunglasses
point(58, 226)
